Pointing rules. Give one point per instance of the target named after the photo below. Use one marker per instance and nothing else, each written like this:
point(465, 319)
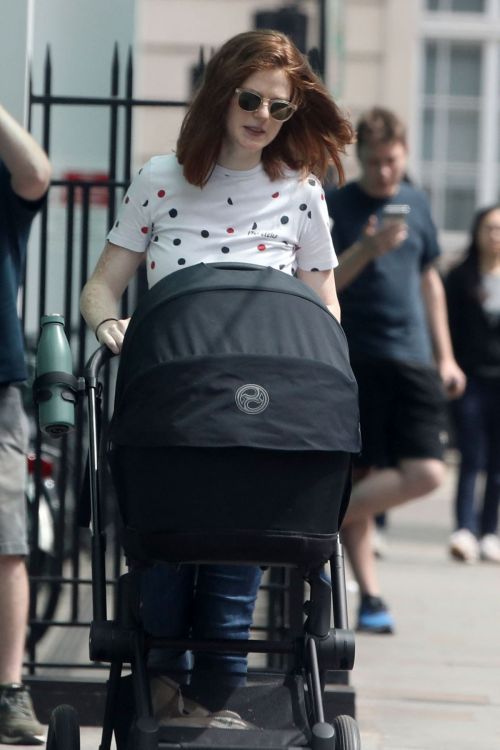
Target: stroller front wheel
point(64, 729)
point(347, 735)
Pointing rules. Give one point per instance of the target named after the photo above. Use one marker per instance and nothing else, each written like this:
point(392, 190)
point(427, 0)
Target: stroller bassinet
point(231, 440)
point(235, 394)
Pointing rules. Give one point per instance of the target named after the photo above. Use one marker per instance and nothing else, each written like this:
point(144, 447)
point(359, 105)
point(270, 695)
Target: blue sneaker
point(373, 616)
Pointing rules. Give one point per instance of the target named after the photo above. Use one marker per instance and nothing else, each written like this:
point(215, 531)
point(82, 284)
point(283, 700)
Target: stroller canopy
point(232, 355)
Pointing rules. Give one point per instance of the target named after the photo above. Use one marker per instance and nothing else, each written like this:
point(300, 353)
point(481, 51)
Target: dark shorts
point(403, 412)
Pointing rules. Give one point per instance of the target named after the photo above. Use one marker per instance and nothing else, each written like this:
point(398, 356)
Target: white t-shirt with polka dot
point(239, 216)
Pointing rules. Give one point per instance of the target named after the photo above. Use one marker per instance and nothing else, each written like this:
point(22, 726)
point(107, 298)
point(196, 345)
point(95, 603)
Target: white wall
point(14, 41)
point(169, 35)
point(81, 35)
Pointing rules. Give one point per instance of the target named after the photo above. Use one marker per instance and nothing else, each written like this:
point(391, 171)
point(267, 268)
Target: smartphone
point(395, 213)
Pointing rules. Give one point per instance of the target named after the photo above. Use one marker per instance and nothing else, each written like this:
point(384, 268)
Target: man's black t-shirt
point(16, 216)
point(383, 313)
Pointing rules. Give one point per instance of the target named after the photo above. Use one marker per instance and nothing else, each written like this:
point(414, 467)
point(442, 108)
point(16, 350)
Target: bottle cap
point(52, 318)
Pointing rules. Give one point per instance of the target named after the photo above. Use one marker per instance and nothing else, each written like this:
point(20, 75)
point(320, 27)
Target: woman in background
point(473, 292)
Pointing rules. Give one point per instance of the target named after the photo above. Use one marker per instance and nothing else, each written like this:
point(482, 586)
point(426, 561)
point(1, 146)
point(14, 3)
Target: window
point(451, 122)
point(457, 6)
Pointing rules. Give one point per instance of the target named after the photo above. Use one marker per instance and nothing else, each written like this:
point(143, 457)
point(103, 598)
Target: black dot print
point(314, 269)
point(181, 261)
point(254, 225)
point(177, 241)
point(224, 249)
point(303, 206)
point(145, 203)
point(282, 267)
point(309, 214)
point(127, 199)
point(117, 224)
point(284, 220)
point(230, 201)
point(140, 170)
point(205, 233)
point(172, 213)
point(311, 182)
point(155, 238)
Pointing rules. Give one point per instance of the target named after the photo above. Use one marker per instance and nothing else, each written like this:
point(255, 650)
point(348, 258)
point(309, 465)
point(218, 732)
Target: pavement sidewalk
point(435, 684)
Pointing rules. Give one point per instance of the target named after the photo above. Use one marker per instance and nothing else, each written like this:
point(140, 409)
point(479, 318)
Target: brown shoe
point(18, 723)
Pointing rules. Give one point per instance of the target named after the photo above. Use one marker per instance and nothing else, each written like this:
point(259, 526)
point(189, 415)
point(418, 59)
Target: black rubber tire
point(347, 735)
point(64, 729)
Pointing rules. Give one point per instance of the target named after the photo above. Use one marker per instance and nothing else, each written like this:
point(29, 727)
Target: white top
point(491, 290)
point(239, 216)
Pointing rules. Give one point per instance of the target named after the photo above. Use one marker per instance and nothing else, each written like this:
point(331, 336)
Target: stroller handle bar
point(96, 361)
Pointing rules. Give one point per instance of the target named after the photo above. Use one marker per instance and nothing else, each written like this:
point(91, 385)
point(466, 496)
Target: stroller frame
point(318, 649)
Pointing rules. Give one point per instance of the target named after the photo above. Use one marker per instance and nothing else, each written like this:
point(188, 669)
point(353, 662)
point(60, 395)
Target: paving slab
point(435, 684)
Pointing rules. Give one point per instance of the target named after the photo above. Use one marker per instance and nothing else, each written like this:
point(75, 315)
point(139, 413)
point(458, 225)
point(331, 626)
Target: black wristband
point(100, 324)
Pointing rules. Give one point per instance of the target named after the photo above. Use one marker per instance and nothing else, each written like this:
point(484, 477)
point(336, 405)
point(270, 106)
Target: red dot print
point(275, 195)
point(153, 264)
point(161, 193)
point(261, 247)
point(322, 196)
point(144, 230)
point(230, 230)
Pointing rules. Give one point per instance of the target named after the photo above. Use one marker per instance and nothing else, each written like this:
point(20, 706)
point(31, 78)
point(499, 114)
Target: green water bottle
point(55, 385)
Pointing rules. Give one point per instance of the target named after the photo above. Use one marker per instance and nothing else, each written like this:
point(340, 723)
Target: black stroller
point(234, 424)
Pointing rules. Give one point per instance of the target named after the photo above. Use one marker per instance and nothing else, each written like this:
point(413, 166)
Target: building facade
point(435, 62)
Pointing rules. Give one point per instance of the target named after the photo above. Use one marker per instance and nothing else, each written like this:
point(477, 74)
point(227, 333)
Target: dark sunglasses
point(279, 109)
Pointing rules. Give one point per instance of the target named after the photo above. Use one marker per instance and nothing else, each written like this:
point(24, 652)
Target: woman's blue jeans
point(477, 417)
point(202, 601)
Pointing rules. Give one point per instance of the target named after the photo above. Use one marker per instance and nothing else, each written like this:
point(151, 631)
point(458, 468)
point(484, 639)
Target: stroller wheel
point(64, 729)
point(347, 735)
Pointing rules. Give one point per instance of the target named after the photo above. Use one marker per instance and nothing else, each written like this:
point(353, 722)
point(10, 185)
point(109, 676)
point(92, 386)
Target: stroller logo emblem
point(252, 398)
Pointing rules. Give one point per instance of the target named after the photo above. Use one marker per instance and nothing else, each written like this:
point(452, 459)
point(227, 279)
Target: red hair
point(310, 141)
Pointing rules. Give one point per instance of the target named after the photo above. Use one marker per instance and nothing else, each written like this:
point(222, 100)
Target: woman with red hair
point(243, 186)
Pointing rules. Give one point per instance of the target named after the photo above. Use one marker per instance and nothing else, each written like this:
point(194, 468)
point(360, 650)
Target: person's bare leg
point(383, 489)
point(377, 491)
point(358, 543)
point(14, 602)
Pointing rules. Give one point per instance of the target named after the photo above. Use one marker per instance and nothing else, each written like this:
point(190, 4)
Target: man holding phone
point(395, 319)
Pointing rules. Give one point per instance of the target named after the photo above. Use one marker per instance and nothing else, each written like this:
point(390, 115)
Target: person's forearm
point(335, 310)
point(25, 160)
point(435, 302)
point(97, 302)
point(323, 283)
point(351, 263)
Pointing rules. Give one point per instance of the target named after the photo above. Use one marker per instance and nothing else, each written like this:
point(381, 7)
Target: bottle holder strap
point(43, 383)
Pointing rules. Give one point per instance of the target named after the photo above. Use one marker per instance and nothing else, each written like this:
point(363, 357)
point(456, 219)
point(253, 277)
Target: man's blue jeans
point(477, 416)
point(205, 601)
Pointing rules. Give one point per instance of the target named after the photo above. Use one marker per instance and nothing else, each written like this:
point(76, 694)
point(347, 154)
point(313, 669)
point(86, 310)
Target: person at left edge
point(24, 180)
point(244, 186)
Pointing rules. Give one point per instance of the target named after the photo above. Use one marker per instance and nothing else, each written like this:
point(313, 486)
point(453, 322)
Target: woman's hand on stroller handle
point(111, 331)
